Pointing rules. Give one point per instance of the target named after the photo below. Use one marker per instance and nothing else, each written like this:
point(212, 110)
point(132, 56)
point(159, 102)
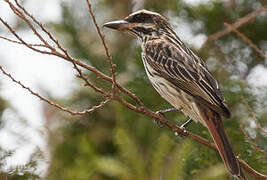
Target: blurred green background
point(117, 143)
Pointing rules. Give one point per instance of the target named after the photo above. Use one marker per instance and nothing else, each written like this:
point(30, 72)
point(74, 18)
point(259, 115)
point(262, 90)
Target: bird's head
point(141, 24)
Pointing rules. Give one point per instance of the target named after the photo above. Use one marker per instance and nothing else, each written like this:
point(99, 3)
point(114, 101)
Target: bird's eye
point(140, 18)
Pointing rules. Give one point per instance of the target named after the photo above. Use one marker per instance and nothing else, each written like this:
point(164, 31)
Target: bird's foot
point(159, 122)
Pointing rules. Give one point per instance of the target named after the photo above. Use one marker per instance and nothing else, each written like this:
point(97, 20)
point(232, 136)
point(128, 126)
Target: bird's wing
point(186, 71)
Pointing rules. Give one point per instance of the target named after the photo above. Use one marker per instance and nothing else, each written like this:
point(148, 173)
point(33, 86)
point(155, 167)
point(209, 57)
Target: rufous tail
point(215, 126)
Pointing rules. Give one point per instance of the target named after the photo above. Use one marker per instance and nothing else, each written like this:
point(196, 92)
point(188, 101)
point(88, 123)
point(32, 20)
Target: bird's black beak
point(120, 25)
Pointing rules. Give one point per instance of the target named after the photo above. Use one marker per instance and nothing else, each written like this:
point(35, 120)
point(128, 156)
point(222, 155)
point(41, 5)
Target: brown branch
point(17, 42)
point(70, 59)
point(253, 144)
point(140, 108)
point(240, 22)
point(177, 130)
point(21, 40)
point(39, 24)
point(22, 16)
point(246, 40)
point(94, 108)
point(253, 115)
point(251, 171)
point(73, 60)
point(264, 9)
point(112, 66)
point(102, 37)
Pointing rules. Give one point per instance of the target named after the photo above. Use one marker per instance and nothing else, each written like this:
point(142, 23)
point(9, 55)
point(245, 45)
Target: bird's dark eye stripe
point(140, 18)
point(143, 30)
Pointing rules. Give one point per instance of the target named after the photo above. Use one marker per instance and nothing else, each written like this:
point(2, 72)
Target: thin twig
point(22, 16)
point(112, 66)
point(246, 40)
point(177, 130)
point(17, 42)
point(87, 83)
point(109, 97)
point(51, 37)
point(240, 22)
point(102, 37)
point(92, 109)
point(253, 115)
point(264, 9)
point(256, 175)
point(253, 144)
point(66, 56)
point(21, 40)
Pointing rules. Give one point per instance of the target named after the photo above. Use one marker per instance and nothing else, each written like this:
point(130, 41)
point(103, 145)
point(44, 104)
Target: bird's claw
point(183, 132)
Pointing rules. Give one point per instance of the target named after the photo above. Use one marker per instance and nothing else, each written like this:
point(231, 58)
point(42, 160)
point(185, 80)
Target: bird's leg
point(183, 126)
point(162, 112)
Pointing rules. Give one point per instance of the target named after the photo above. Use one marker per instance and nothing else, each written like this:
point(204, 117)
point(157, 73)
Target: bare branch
point(264, 9)
point(23, 14)
point(102, 37)
point(66, 55)
point(17, 42)
point(250, 170)
point(87, 83)
point(240, 22)
point(94, 108)
point(253, 144)
point(253, 115)
point(21, 40)
point(177, 130)
point(246, 40)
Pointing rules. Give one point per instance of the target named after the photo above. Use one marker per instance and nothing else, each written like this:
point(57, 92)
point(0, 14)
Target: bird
point(181, 78)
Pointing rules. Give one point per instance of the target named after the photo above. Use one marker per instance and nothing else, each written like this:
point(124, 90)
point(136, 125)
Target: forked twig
point(22, 13)
point(246, 40)
point(94, 108)
point(102, 37)
point(240, 22)
point(253, 144)
point(253, 115)
point(17, 42)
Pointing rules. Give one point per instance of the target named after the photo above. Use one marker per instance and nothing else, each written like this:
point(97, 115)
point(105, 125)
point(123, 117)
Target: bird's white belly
point(177, 98)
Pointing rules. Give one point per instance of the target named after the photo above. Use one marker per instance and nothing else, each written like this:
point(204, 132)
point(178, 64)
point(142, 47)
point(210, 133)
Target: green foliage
point(215, 172)
point(129, 152)
point(117, 143)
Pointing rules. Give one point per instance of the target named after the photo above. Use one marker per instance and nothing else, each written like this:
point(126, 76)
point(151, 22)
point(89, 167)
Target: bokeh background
point(39, 142)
